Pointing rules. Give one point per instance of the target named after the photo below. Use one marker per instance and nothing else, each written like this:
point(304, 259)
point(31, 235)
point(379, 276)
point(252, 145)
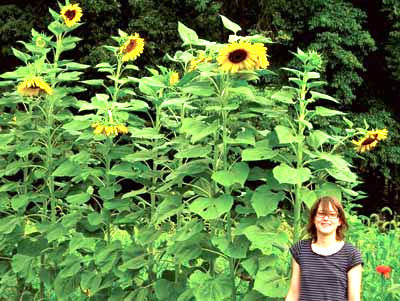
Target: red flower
point(384, 270)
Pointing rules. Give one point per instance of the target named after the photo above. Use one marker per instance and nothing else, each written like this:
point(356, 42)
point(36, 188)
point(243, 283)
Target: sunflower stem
point(224, 97)
point(299, 153)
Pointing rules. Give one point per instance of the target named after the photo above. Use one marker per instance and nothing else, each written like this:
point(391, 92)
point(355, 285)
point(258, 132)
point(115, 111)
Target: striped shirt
point(324, 277)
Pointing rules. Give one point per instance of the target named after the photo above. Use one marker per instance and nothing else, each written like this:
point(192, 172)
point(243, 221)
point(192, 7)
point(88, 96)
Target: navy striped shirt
point(324, 277)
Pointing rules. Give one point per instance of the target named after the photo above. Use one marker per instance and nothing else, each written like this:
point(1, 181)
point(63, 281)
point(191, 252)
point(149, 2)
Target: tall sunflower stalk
point(39, 93)
point(221, 67)
point(109, 122)
point(311, 147)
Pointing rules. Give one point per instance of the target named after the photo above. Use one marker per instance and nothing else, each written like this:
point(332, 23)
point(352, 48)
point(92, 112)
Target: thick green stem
point(227, 191)
point(300, 145)
point(107, 183)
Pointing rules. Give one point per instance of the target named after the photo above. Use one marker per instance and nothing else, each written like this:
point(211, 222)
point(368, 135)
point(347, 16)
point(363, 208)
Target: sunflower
point(109, 129)
point(239, 56)
point(262, 62)
point(173, 78)
point(201, 58)
point(370, 140)
point(71, 14)
point(33, 87)
point(132, 48)
point(381, 134)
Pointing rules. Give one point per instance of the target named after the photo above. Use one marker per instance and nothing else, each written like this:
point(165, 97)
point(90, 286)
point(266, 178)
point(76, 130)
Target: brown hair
point(325, 201)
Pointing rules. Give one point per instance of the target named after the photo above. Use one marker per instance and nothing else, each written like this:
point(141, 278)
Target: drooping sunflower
point(71, 14)
point(201, 58)
point(370, 140)
point(262, 62)
point(381, 134)
point(109, 129)
point(173, 78)
point(33, 87)
point(238, 56)
point(132, 48)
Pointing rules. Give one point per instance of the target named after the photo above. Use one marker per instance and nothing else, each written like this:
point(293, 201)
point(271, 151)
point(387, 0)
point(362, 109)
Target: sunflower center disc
point(131, 45)
point(238, 56)
point(369, 140)
point(70, 14)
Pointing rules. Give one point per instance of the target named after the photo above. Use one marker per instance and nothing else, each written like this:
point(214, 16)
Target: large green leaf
point(270, 284)
point(317, 138)
point(286, 174)
point(90, 280)
point(209, 208)
point(308, 196)
point(236, 249)
point(265, 239)
point(342, 175)
point(285, 134)
point(207, 288)
point(67, 169)
point(322, 111)
point(167, 290)
point(228, 24)
point(196, 151)
point(245, 137)
point(78, 199)
point(23, 266)
point(168, 207)
point(264, 201)
point(188, 36)
point(238, 173)
point(329, 189)
point(285, 96)
point(198, 129)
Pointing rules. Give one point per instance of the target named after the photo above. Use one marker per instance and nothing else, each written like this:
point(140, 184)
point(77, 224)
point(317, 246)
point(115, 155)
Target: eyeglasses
point(330, 215)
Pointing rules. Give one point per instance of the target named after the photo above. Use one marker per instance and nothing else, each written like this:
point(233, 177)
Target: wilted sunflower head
point(370, 140)
point(173, 78)
point(33, 87)
point(238, 56)
point(71, 14)
point(109, 130)
point(132, 48)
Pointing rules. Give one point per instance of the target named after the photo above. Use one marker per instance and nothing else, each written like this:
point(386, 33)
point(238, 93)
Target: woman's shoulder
point(350, 247)
point(301, 243)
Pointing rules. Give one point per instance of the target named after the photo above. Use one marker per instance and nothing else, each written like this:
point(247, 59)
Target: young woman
point(324, 267)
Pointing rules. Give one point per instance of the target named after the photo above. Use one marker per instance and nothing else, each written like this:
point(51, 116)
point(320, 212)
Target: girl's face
point(326, 222)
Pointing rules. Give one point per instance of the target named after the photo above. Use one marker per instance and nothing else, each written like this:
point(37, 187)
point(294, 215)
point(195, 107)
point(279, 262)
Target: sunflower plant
point(33, 150)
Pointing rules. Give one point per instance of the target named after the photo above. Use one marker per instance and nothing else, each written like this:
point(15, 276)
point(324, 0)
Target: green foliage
point(392, 9)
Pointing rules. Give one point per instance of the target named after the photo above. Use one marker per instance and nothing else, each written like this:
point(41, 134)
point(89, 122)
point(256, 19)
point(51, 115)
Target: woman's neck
point(326, 241)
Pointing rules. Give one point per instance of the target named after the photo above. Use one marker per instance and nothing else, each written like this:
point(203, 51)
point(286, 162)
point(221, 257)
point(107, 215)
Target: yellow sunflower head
point(370, 140)
point(173, 78)
point(71, 14)
point(262, 62)
point(122, 129)
point(238, 56)
point(33, 87)
point(132, 48)
point(109, 130)
point(380, 134)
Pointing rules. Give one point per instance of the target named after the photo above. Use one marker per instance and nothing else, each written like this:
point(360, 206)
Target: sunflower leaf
point(228, 24)
point(22, 56)
point(188, 36)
